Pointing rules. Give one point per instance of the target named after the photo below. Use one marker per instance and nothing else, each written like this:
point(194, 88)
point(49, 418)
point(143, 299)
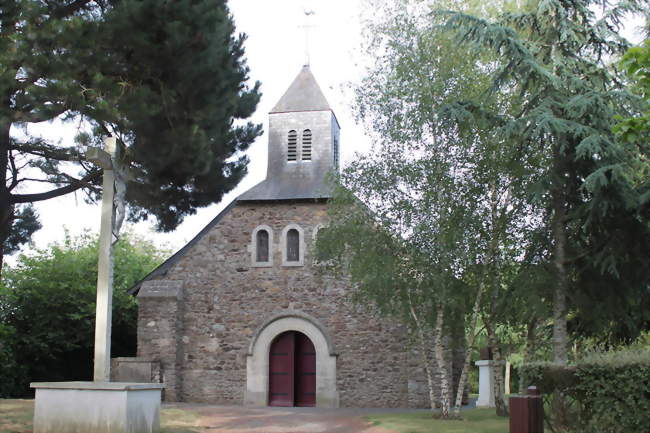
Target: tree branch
point(69, 9)
point(29, 117)
point(78, 183)
point(47, 151)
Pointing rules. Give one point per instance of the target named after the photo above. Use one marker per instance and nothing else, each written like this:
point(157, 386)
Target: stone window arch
point(292, 146)
point(314, 237)
point(261, 246)
point(306, 145)
point(314, 234)
point(292, 245)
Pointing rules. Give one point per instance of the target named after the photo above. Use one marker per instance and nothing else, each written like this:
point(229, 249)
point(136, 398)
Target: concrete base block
point(97, 407)
point(486, 382)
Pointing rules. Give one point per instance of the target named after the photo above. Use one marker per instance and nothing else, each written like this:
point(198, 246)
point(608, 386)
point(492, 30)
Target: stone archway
point(257, 359)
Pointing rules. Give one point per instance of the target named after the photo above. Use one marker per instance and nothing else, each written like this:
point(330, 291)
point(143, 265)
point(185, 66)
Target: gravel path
point(235, 419)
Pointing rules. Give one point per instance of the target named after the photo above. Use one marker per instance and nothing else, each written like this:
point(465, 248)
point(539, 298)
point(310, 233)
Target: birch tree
point(445, 189)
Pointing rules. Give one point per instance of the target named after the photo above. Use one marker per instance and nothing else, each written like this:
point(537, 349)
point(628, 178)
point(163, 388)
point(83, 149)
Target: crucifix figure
point(309, 12)
point(113, 188)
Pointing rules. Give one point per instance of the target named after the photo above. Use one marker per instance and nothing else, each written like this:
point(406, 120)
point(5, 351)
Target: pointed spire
point(303, 94)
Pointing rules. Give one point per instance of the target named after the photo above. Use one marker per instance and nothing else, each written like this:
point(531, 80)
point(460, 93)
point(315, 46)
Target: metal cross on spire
point(309, 12)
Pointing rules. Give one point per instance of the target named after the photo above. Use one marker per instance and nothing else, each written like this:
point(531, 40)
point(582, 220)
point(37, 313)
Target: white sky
point(275, 50)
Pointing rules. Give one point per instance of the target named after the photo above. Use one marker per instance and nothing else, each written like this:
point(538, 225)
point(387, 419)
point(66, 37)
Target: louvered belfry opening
point(262, 247)
point(292, 146)
point(306, 145)
point(335, 153)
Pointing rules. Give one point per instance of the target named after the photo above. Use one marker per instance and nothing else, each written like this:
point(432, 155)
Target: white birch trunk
point(425, 357)
point(439, 350)
point(471, 337)
point(497, 370)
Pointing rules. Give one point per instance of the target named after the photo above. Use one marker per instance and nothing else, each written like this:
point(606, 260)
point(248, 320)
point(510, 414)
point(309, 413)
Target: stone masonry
point(198, 320)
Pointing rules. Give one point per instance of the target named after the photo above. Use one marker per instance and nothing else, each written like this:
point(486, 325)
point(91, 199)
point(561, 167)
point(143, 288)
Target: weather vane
point(308, 13)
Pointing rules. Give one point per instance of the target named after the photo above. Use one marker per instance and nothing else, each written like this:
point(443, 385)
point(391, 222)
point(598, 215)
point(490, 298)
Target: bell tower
point(303, 144)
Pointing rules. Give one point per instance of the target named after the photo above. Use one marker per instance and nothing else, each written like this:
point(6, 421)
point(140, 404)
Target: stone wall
point(200, 317)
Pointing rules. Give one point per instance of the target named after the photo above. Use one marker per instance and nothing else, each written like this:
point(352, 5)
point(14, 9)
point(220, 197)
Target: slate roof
point(303, 94)
point(288, 187)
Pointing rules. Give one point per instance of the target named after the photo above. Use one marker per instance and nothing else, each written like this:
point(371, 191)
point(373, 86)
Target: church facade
point(241, 315)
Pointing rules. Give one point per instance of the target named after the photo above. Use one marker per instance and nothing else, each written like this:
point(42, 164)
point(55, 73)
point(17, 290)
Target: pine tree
point(558, 55)
point(168, 78)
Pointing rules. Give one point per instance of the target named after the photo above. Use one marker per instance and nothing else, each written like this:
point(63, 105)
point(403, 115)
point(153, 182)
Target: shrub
point(47, 310)
point(602, 393)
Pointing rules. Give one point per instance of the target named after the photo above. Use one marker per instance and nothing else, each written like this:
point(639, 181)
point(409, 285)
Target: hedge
point(611, 391)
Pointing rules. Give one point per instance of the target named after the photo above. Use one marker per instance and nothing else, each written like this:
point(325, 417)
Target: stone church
point(240, 315)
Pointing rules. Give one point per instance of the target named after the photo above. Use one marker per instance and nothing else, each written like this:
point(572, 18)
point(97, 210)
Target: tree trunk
point(471, 337)
point(439, 350)
point(497, 371)
point(425, 357)
point(560, 335)
point(6, 208)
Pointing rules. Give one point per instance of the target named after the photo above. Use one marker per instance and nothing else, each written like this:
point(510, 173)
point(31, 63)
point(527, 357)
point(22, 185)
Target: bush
point(47, 311)
point(602, 393)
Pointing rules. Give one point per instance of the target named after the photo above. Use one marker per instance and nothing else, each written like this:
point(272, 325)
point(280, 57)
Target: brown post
point(527, 412)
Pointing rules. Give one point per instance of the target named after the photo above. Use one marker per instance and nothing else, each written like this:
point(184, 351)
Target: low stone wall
point(140, 370)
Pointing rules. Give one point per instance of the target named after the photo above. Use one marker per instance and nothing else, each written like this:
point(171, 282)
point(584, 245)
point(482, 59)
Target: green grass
point(473, 421)
point(174, 420)
point(16, 416)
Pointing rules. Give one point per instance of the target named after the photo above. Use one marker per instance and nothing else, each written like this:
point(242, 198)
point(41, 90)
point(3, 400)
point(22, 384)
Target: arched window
point(262, 250)
point(261, 246)
point(293, 245)
point(292, 146)
point(306, 145)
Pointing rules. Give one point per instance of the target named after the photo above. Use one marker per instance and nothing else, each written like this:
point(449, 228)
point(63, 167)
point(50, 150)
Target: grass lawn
point(474, 421)
point(16, 417)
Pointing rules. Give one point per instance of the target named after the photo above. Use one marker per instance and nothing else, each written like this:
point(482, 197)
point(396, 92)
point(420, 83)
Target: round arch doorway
point(292, 370)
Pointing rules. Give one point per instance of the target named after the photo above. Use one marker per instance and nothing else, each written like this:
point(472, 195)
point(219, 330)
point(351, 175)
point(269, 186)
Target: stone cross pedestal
point(485, 383)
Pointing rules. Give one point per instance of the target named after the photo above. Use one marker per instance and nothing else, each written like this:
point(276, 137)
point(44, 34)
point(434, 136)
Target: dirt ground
point(234, 419)
point(16, 417)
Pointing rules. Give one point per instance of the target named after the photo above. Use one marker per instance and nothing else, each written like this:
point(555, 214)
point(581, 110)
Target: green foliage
point(608, 392)
point(47, 309)
point(555, 55)
point(636, 129)
point(168, 78)
point(25, 223)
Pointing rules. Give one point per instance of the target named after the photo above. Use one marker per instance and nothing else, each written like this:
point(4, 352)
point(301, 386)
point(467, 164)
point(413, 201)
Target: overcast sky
point(275, 50)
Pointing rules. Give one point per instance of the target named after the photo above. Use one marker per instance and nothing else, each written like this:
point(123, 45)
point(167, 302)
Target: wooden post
point(103, 316)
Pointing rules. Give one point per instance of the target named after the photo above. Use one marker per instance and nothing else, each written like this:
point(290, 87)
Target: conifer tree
point(168, 78)
point(558, 56)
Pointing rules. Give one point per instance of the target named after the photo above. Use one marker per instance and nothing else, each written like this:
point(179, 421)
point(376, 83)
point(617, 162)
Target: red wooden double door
point(292, 370)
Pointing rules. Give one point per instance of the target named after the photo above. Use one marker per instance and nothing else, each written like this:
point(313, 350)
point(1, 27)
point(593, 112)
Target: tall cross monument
point(107, 159)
